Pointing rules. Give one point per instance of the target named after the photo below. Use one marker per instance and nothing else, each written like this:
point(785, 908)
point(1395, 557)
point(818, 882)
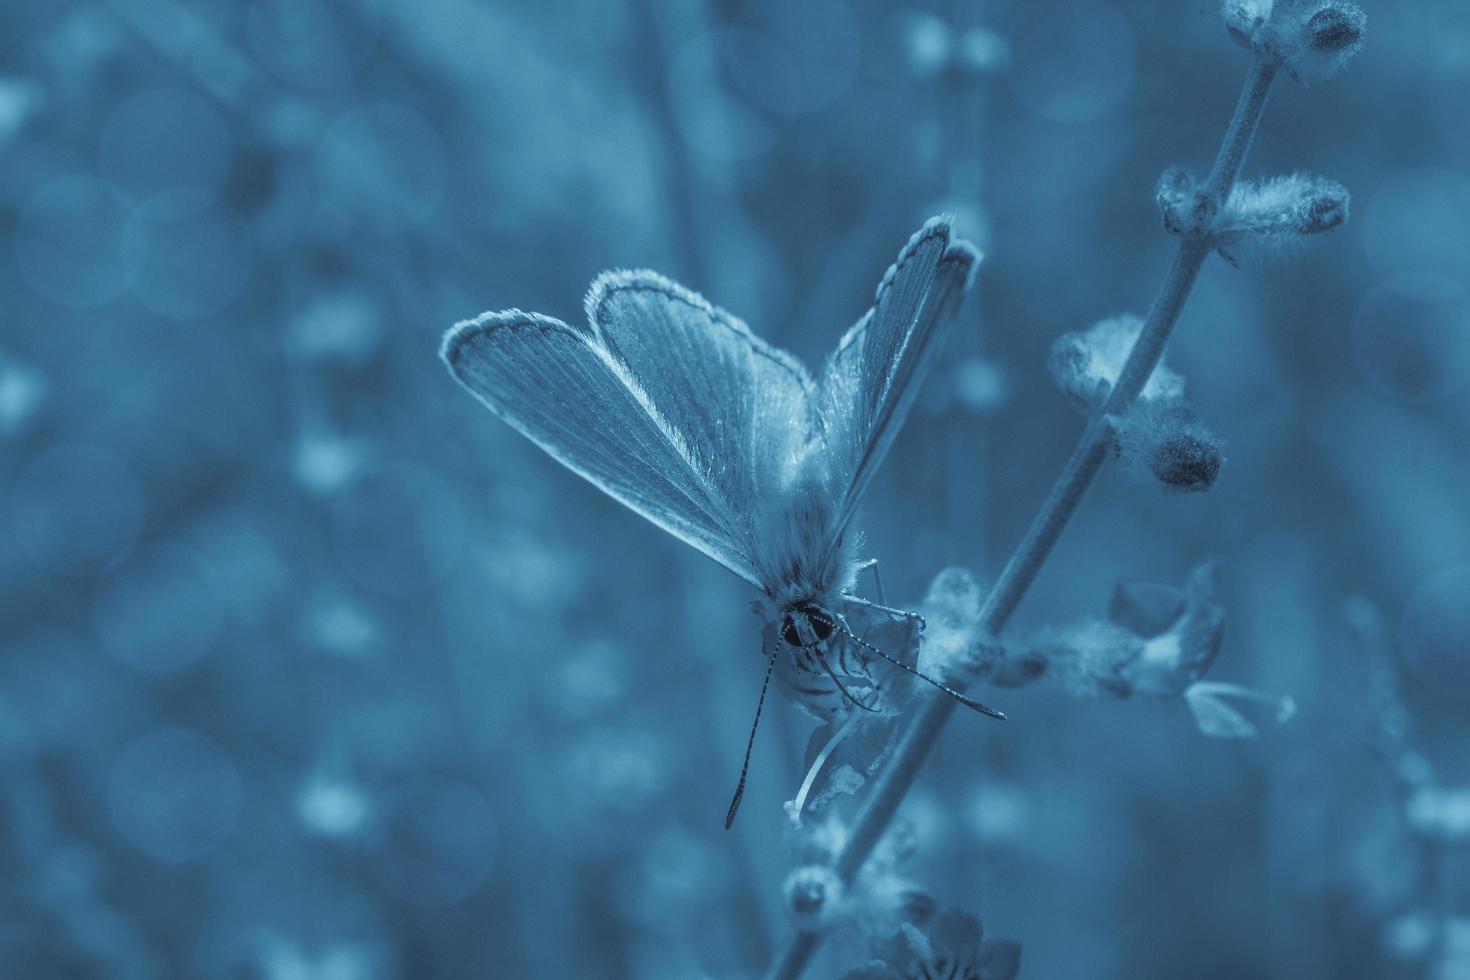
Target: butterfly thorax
point(801, 554)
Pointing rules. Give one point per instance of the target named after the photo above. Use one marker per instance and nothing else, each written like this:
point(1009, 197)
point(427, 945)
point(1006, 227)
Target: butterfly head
point(806, 625)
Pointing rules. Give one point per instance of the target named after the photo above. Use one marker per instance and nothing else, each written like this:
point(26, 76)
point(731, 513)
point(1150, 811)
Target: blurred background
point(310, 669)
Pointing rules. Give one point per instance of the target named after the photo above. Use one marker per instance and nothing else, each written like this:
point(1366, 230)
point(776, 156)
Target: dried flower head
point(813, 894)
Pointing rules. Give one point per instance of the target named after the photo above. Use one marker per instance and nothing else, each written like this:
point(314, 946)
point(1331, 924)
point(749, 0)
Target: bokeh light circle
point(175, 795)
point(77, 509)
point(196, 265)
point(399, 529)
point(160, 610)
point(76, 242)
point(1071, 60)
point(434, 842)
point(819, 40)
point(930, 43)
point(382, 168)
point(313, 44)
point(761, 70)
point(332, 807)
point(168, 150)
point(1412, 347)
point(1416, 232)
point(711, 118)
point(1434, 634)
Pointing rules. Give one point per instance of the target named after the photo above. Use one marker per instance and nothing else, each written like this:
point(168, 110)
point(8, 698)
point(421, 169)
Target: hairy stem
point(1061, 503)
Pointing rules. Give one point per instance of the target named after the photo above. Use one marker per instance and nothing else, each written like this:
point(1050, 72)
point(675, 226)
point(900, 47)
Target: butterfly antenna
point(750, 744)
point(984, 709)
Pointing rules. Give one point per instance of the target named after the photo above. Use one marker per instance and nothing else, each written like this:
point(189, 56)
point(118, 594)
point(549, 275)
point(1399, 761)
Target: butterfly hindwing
point(872, 378)
point(565, 391)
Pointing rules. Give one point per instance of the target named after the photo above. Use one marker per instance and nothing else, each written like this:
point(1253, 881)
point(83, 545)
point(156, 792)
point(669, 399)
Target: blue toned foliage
point(310, 669)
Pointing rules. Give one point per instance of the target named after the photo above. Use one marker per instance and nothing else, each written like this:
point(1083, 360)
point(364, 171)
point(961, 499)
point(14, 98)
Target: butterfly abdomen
point(812, 687)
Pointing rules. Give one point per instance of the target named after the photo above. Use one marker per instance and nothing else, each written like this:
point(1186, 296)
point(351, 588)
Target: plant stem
point(1061, 503)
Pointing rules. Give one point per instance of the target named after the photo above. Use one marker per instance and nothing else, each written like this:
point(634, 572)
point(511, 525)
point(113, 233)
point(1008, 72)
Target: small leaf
point(1216, 718)
point(872, 970)
point(1206, 699)
point(999, 959)
point(1146, 608)
point(955, 936)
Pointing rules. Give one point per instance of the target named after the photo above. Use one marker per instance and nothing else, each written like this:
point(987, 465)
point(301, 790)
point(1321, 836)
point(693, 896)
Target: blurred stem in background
point(1061, 503)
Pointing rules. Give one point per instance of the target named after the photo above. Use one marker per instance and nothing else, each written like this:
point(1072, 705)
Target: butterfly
point(675, 408)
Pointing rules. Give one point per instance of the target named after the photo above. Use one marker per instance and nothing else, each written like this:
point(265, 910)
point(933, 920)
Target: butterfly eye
point(821, 625)
point(788, 632)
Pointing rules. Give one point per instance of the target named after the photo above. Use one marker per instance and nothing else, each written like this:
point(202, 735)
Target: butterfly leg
point(871, 565)
point(898, 613)
point(968, 702)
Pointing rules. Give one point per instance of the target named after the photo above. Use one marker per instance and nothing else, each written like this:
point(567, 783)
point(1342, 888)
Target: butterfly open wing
point(668, 404)
point(872, 378)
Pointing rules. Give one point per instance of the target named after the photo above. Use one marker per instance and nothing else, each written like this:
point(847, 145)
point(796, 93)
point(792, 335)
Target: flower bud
point(1336, 28)
point(1314, 41)
point(1168, 443)
point(812, 892)
point(1277, 211)
point(1186, 462)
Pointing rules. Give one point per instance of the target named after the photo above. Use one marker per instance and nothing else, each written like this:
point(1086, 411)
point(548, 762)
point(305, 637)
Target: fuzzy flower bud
point(1336, 28)
point(953, 645)
point(1086, 365)
point(813, 893)
point(1311, 39)
point(1278, 211)
point(1169, 443)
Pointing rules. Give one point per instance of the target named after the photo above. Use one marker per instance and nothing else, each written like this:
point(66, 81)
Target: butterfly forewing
point(872, 378)
point(566, 392)
point(676, 409)
point(742, 408)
